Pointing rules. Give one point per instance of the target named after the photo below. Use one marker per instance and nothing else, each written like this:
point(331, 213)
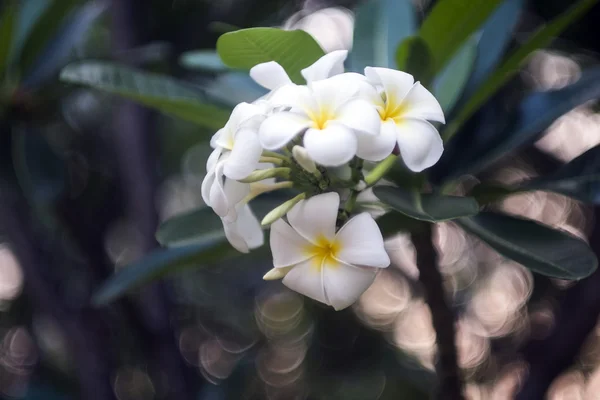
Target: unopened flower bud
point(303, 159)
point(262, 174)
point(281, 210)
point(276, 273)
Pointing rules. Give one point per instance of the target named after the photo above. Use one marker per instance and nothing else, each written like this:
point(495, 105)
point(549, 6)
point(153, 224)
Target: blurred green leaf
point(160, 92)
point(7, 31)
point(495, 37)
point(204, 60)
point(379, 27)
point(413, 56)
point(394, 222)
point(46, 26)
point(579, 178)
point(159, 263)
point(58, 50)
point(232, 88)
point(426, 206)
point(538, 247)
point(535, 114)
point(293, 50)
point(487, 193)
point(542, 38)
point(450, 23)
point(450, 83)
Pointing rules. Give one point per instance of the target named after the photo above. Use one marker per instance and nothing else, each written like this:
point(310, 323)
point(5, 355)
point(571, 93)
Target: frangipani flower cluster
point(315, 141)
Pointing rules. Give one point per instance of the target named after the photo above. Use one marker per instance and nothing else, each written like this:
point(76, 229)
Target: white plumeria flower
point(333, 268)
point(405, 107)
point(330, 112)
point(239, 138)
point(272, 76)
point(243, 233)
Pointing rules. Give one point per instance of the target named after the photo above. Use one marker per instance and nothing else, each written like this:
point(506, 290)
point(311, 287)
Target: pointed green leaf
point(160, 262)
point(160, 92)
point(451, 81)
point(293, 50)
point(579, 178)
point(427, 206)
point(450, 23)
point(43, 31)
point(7, 31)
point(414, 57)
point(538, 247)
point(379, 27)
point(542, 38)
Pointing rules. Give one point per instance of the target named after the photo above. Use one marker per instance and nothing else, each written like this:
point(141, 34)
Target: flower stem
point(261, 174)
point(448, 371)
point(272, 160)
point(273, 154)
point(380, 170)
point(258, 188)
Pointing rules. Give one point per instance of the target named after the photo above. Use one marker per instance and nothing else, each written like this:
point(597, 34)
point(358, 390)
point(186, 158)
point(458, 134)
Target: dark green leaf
point(293, 50)
point(7, 31)
point(450, 83)
point(159, 263)
point(538, 247)
point(413, 56)
point(579, 178)
point(426, 206)
point(43, 31)
point(394, 222)
point(205, 60)
point(58, 50)
point(535, 114)
point(450, 23)
point(495, 37)
point(542, 38)
point(160, 92)
point(380, 26)
point(486, 193)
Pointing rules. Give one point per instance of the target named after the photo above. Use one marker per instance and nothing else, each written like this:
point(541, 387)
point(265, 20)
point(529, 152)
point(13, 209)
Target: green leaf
point(43, 31)
point(394, 222)
point(450, 23)
point(426, 206)
point(451, 82)
point(542, 38)
point(487, 193)
point(538, 247)
point(379, 27)
point(7, 31)
point(579, 178)
point(160, 92)
point(293, 50)
point(160, 262)
point(203, 224)
point(204, 60)
point(413, 56)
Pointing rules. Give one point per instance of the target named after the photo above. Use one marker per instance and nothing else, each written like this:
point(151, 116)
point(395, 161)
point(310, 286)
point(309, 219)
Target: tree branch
point(450, 380)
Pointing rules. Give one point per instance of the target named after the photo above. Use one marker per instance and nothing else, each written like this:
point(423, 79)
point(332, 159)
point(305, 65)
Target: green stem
point(273, 154)
point(380, 170)
point(271, 160)
point(258, 188)
point(351, 202)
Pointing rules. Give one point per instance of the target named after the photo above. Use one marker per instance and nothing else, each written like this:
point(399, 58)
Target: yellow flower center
point(392, 110)
point(324, 252)
point(320, 117)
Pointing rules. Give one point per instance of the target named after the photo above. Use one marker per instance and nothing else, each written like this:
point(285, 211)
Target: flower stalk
point(380, 170)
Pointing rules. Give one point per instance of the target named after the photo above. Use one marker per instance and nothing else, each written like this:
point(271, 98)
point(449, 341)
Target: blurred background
point(85, 179)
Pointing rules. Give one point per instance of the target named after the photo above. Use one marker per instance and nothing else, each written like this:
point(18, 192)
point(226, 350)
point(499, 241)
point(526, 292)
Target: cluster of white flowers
point(315, 139)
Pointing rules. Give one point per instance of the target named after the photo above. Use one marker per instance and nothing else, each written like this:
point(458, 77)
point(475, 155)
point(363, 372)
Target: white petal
point(330, 94)
point(211, 162)
point(315, 218)
point(244, 157)
point(344, 284)
point(278, 129)
point(329, 65)
point(287, 246)
point(332, 146)
point(420, 144)
point(306, 278)
point(234, 237)
point(296, 96)
point(377, 147)
point(361, 243)
point(216, 136)
point(361, 116)
point(396, 84)
point(421, 104)
point(270, 75)
point(366, 90)
point(207, 184)
point(249, 227)
point(243, 115)
point(226, 193)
